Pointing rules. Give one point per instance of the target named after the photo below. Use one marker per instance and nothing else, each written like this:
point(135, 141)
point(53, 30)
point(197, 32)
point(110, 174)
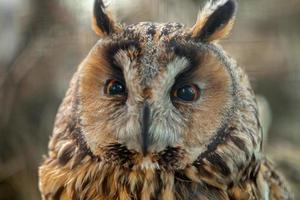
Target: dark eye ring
point(187, 93)
point(114, 87)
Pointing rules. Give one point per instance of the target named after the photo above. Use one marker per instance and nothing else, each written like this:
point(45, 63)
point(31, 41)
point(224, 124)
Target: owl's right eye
point(187, 93)
point(114, 87)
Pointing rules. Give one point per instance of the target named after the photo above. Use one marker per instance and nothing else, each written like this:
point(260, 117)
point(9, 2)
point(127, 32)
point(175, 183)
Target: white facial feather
point(167, 123)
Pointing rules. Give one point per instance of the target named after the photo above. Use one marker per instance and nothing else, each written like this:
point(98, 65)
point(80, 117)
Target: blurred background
point(42, 42)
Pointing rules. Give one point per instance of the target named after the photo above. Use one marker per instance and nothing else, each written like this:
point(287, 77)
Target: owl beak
point(145, 120)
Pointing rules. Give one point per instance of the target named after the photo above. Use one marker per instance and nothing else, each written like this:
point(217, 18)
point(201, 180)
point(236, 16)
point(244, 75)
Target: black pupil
point(186, 93)
point(116, 88)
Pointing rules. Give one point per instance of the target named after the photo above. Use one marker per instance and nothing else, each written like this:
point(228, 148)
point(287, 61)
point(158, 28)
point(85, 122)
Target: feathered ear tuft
point(215, 21)
point(103, 23)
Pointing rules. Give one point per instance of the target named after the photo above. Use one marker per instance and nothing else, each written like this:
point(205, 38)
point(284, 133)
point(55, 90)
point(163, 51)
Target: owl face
point(154, 95)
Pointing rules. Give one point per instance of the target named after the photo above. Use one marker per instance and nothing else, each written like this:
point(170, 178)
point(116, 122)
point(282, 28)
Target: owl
point(159, 111)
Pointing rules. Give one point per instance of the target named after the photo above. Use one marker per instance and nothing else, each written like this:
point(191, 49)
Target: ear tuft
point(215, 21)
point(103, 24)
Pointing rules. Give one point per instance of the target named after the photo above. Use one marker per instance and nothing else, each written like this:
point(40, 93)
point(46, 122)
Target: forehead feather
point(155, 32)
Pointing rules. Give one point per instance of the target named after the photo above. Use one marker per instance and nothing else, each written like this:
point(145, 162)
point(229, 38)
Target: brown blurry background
point(42, 42)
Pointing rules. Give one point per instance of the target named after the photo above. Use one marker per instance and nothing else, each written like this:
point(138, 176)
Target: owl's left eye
point(114, 87)
point(187, 93)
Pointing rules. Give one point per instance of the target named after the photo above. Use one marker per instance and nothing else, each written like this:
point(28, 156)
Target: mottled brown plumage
point(159, 111)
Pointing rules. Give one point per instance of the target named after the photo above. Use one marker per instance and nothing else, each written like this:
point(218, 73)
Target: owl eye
point(187, 93)
point(114, 87)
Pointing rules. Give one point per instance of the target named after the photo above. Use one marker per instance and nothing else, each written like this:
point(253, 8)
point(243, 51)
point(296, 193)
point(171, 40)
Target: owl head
point(163, 95)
